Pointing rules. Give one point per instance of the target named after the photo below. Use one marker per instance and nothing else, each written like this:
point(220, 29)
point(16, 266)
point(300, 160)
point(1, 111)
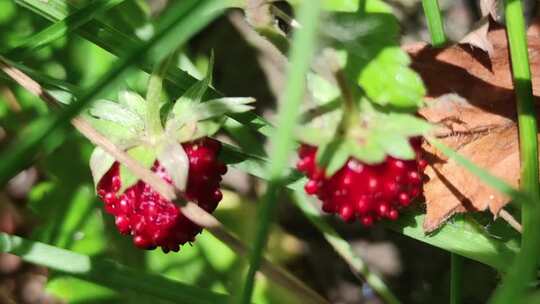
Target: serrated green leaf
point(146, 156)
point(133, 101)
point(175, 161)
point(100, 163)
point(388, 80)
point(117, 113)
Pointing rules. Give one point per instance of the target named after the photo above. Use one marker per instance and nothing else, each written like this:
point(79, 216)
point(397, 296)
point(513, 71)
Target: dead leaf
point(471, 99)
point(478, 37)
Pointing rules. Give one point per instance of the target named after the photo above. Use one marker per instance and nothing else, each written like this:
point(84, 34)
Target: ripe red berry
point(361, 191)
point(151, 219)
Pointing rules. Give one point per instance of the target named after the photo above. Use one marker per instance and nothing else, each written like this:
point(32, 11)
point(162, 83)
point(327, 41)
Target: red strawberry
point(176, 144)
point(154, 221)
point(366, 192)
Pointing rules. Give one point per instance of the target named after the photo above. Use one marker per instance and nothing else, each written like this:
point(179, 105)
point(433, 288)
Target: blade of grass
point(456, 278)
point(188, 18)
point(435, 22)
point(106, 273)
point(302, 51)
point(523, 269)
point(343, 248)
point(62, 27)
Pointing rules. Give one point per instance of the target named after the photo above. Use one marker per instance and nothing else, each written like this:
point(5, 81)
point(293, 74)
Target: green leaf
point(107, 273)
point(117, 113)
point(388, 81)
point(146, 156)
point(375, 58)
point(100, 163)
point(175, 161)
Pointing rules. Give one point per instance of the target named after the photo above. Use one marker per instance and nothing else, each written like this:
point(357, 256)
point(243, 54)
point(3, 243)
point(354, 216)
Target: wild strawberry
point(177, 148)
point(153, 220)
point(366, 192)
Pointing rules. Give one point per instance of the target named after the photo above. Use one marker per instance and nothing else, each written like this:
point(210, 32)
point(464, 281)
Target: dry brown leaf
point(472, 101)
point(478, 37)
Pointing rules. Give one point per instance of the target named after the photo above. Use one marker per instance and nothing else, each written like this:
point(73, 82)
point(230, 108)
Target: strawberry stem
point(350, 109)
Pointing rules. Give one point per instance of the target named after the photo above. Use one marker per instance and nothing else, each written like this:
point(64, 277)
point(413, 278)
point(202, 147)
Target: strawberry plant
point(131, 175)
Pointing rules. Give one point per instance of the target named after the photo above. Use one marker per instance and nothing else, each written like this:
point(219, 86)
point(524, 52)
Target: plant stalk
point(302, 51)
point(435, 22)
point(456, 278)
point(524, 267)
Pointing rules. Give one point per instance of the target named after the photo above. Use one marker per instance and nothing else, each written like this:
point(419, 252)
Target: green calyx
point(368, 134)
point(136, 125)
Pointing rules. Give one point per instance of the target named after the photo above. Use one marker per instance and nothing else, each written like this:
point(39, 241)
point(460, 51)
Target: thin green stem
point(524, 267)
point(456, 278)
point(302, 51)
point(435, 22)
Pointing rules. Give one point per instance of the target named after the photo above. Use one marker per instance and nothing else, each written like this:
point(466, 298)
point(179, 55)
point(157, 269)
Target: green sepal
point(195, 93)
point(100, 163)
point(194, 130)
point(333, 156)
point(133, 101)
point(210, 109)
point(117, 113)
point(375, 134)
point(117, 133)
point(393, 144)
point(369, 152)
point(176, 162)
point(315, 136)
point(145, 155)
